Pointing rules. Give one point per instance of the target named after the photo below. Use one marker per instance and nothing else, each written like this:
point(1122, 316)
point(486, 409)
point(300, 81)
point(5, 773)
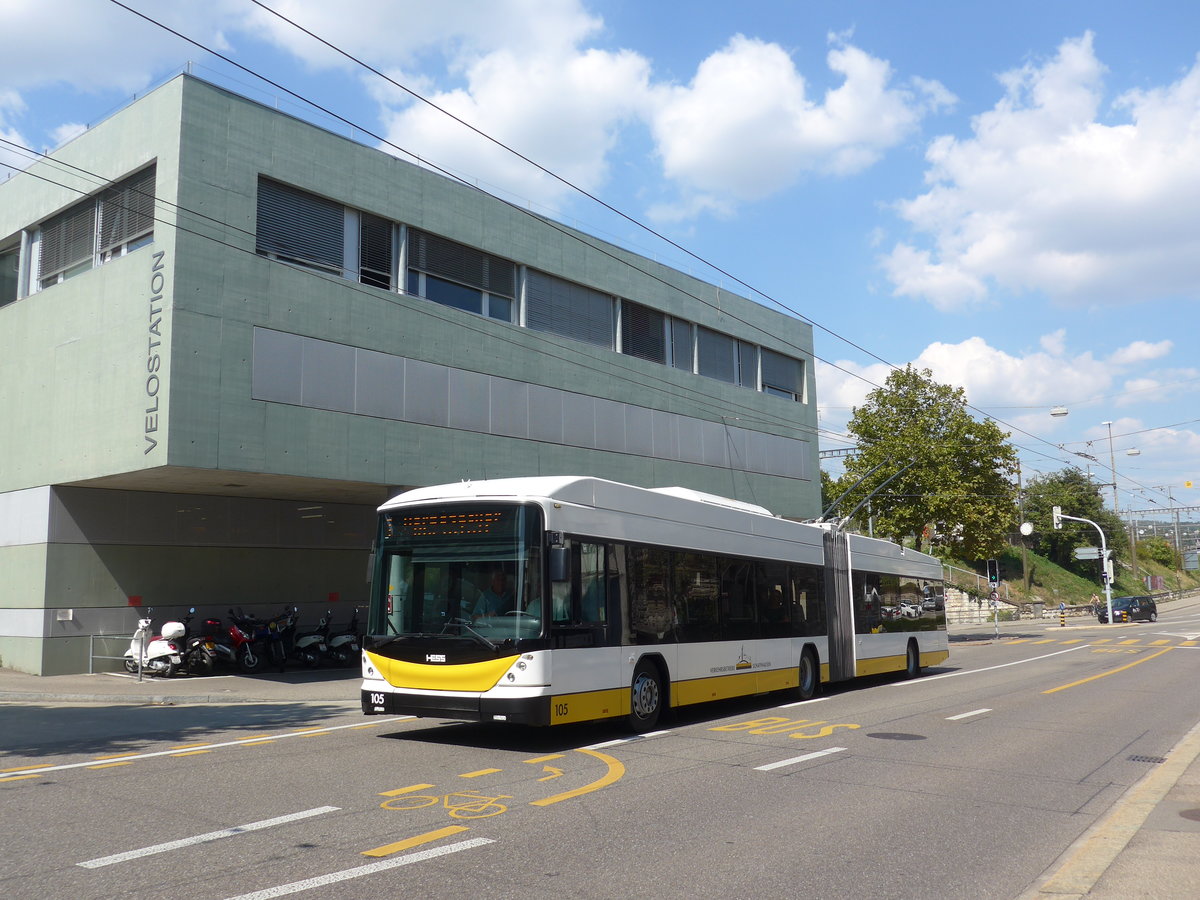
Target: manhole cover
point(1193, 814)
point(1148, 759)
point(896, 736)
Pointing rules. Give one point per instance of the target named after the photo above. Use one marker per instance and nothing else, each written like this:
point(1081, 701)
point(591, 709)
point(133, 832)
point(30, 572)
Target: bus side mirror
point(560, 564)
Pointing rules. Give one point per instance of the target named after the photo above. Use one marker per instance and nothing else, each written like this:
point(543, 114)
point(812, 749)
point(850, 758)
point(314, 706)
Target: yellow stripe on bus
point(480, 676)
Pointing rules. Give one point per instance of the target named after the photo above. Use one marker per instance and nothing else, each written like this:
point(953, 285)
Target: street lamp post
point(1058, 514)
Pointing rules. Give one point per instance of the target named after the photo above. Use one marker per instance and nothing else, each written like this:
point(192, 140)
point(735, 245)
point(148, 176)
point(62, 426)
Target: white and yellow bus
point(567, 599)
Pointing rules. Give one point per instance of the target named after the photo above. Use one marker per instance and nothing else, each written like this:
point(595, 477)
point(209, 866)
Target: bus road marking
point(967, 715)
point(203, 838)
point(409, 843)
point(346, 874)
point(798, 759)
point(1136, 662)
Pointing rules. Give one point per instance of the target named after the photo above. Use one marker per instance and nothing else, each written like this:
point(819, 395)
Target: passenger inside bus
point(496, 599)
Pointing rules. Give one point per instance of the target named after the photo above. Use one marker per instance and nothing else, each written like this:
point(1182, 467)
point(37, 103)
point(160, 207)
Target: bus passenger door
point(838, 612)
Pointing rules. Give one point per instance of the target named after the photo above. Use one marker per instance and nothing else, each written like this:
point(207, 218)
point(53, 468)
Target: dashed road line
point(409, 843)
point(967, 715)
point(371, 868)
point(798, 759)
point(203, 838)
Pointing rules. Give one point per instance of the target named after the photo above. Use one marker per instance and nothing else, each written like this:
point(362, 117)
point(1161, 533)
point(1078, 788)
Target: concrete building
point(227, 335)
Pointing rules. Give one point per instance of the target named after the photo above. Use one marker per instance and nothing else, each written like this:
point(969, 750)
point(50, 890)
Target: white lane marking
point(802, 702)
point(795, 759)
point(203, 838)
point(370, 869)
point(134, 756)
point(967, 715)
point(628, 740)
point(928, 678)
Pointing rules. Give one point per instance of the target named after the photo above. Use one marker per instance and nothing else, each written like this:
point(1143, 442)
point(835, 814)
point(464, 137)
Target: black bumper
point(527, 711)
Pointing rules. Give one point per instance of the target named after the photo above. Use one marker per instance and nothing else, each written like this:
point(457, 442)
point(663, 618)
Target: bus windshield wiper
point(464, 626)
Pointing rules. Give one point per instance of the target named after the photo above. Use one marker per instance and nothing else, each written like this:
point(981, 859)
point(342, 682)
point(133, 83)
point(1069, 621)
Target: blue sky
point(1006, 194)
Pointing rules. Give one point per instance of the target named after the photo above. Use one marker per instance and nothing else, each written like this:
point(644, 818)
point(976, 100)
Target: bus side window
point(592, 589)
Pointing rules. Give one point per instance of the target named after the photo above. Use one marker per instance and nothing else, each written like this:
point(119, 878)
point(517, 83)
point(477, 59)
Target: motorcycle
point(269, 638)
point(158, 654)
point(200, 651)
point(248, 647)
point(224, 646)
point(308, 647)
point(341, 647)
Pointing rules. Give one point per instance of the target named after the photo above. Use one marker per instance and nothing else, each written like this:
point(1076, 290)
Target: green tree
point(1072, 490)
point(1159, 550)
point(957, 489)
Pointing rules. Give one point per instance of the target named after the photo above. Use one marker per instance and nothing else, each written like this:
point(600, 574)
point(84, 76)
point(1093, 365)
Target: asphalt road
point(969, 782)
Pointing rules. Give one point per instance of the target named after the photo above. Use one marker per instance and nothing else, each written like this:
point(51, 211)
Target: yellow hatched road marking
point(1046, 641)
point(1159, 643)
point(1019, 641)
point(480, 772)
point(1110, 671)
point(1188, 644)
point(1101, 640)
point(389, 849)
point(405, 790)
point(1074, 641)
point(1130, 641)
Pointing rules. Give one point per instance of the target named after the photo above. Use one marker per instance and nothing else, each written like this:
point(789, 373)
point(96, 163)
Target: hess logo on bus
point(435, 657)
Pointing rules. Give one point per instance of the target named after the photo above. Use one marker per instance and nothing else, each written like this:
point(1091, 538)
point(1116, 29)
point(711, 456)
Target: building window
point(782, 375)
point(748, 365)
point(568, 309)
point(127, 215)
point(683, 345)
point(643, 332)
point(456, 275)
point(67, 244)
point(10, 261)
point(375, 265)
point(299, 227)
point(717, 355)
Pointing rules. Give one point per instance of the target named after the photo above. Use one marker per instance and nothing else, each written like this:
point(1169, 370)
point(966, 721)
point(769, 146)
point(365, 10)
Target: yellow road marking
point(1159, 643)
point(257, 743)
point(42, 766)
point(480, 772)
point(554, 773)
point(1188, 644)
point(542, 759)
point(110, 765)
point(185, 753)
point(19, 777)
point(1110, 671)
point(192, 746)
point(1101, 640)
point(615, 772)
point(1073, 641)
point(1046, 641)
point(1019, 641)
point(388, 849)
point(1131, 641)
point(405, 790)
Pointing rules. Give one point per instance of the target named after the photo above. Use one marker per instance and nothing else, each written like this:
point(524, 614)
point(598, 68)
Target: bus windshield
point(463, 571)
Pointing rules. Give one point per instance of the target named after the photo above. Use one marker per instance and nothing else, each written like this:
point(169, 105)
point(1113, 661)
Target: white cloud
point(1139, 352)
point(745, 127)
point(1047, 197)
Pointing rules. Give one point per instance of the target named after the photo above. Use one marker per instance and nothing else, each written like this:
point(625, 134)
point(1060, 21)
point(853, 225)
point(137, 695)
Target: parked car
point(1129, 609)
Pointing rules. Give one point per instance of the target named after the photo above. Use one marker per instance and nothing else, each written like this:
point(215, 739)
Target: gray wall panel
point(379, 385)
point(426, 392)
point(277, 366)
point(327, 375)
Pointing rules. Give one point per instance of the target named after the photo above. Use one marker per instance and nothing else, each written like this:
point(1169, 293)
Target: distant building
point(227, 335)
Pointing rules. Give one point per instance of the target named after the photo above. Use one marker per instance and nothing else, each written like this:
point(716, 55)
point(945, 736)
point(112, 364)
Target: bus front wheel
point(645, 697)
point(912, 662)
point(810, 677)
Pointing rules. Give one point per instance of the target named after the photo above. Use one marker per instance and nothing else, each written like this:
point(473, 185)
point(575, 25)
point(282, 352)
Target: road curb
point(157, 699)
point(1085, 862)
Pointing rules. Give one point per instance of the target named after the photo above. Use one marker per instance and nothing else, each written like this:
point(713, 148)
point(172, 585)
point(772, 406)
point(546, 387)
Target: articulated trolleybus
point(551, 600)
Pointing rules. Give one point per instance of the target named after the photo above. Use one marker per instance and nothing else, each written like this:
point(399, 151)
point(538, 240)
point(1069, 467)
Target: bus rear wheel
point(810, 678)
point(645, 697)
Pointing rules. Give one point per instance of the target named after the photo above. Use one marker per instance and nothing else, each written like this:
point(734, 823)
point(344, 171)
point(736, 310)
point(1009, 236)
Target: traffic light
point(993, 570)
point(1057, 512)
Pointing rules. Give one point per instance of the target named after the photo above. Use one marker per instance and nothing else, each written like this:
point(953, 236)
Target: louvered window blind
point(682, 351)
point(127, 211)
point(300, 227)
point(643, 332)
point(67, 240)
point(448, 259)
point(568, 309)
point(375, 251)
point(717, 355)
point(782, 373)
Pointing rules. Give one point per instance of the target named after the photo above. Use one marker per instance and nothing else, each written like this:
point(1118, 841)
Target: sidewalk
point(291, 686)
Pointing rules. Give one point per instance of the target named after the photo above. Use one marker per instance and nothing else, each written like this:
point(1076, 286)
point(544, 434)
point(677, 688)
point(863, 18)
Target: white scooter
point(156, 654)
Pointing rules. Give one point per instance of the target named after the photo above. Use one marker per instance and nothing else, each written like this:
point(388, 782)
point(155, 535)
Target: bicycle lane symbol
point(468, 804)
point(460, 804)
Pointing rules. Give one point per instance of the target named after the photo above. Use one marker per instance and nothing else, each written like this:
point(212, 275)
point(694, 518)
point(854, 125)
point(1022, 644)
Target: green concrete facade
point(138, 467)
